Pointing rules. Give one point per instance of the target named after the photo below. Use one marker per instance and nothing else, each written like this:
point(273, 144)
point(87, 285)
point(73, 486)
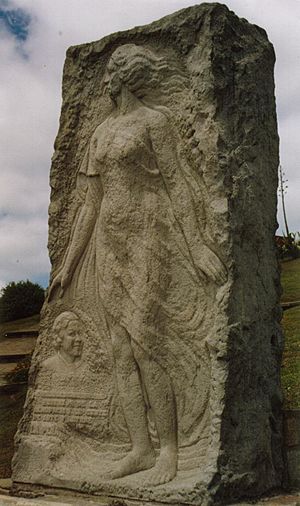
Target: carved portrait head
point(67, 330)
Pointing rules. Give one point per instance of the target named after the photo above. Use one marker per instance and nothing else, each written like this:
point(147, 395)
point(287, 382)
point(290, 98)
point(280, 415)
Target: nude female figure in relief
point(134, 185)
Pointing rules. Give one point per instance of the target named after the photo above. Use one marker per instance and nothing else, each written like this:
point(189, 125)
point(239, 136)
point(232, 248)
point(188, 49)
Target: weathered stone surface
point(281, 500)
point(156, 375)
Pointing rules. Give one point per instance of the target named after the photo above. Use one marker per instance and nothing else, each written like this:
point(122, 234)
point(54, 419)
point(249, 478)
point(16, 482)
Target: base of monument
point(184, 491)
point(73, 474)
point(38, 491)
point(79, 468)
point(61, 497)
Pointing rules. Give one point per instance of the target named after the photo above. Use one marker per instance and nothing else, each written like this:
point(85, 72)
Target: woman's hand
point(60, 281)
point(210, 264)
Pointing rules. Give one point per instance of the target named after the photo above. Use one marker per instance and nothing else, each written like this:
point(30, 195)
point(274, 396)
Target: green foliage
point(288, 246)
point(20, 373)
point(21, 299)
point(291, 358)
point(290, 280)
point(10, 414)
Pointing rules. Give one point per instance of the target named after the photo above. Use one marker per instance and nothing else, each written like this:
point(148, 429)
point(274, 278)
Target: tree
point(289, 247)
point(21, 299)
point(282, 190)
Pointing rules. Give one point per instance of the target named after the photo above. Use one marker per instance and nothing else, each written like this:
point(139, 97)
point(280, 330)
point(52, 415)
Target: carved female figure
point(136, 206)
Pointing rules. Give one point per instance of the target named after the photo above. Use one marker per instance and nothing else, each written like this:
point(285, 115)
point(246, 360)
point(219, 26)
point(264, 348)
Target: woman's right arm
point(80, 236)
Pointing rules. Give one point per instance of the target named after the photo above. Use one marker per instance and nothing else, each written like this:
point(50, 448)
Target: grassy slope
point(30, 323)
point(290, 280)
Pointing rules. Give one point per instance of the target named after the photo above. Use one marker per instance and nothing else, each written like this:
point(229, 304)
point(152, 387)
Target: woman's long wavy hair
point(147, 75)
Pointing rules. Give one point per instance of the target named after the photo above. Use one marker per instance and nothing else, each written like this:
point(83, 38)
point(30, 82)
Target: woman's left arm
point(164, 145)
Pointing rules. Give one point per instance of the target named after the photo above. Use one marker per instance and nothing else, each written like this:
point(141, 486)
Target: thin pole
point(281, 182)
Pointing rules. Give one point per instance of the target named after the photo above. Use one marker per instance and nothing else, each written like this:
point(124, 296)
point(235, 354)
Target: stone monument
point(156, 374)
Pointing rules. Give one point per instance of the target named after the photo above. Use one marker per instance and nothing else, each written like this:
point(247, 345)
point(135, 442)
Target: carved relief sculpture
point(136, 190)
point(150, 303)
point(68, 343)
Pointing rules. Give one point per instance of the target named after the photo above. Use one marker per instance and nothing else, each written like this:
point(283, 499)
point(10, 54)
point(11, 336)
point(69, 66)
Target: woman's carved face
point(71, 342)
point(112, 80)
point(123, 70)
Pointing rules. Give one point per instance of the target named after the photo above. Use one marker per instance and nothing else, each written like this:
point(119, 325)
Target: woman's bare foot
point(164, 470)
point(134, 462)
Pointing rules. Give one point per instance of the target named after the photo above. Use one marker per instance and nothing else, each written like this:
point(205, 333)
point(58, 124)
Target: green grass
point(290, 280)
point(30, 323)
point(290, 374)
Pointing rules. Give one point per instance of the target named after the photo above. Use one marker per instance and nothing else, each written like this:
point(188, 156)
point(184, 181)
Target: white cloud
point(23, 248)
point(30, 98)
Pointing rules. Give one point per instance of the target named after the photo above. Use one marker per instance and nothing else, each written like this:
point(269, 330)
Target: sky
point(34, 36)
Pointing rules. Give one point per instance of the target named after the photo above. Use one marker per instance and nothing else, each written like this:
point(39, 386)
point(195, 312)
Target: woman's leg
point(162, 402)
point(130, 390)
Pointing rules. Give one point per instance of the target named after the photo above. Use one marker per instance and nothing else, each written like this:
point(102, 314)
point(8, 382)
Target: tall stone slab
point(157, 372)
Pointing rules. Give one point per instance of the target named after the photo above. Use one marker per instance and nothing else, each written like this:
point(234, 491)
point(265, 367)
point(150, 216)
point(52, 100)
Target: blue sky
point(15, 21)
point(34, 36)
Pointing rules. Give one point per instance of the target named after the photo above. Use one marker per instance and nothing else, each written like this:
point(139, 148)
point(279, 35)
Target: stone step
point(21, 333)
point(16, 349)
point(290, 305)
point(13, 357)
point(5, 369)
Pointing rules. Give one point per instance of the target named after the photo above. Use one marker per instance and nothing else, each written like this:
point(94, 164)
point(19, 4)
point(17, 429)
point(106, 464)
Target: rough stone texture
point(48, 500)
point(162, 222)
